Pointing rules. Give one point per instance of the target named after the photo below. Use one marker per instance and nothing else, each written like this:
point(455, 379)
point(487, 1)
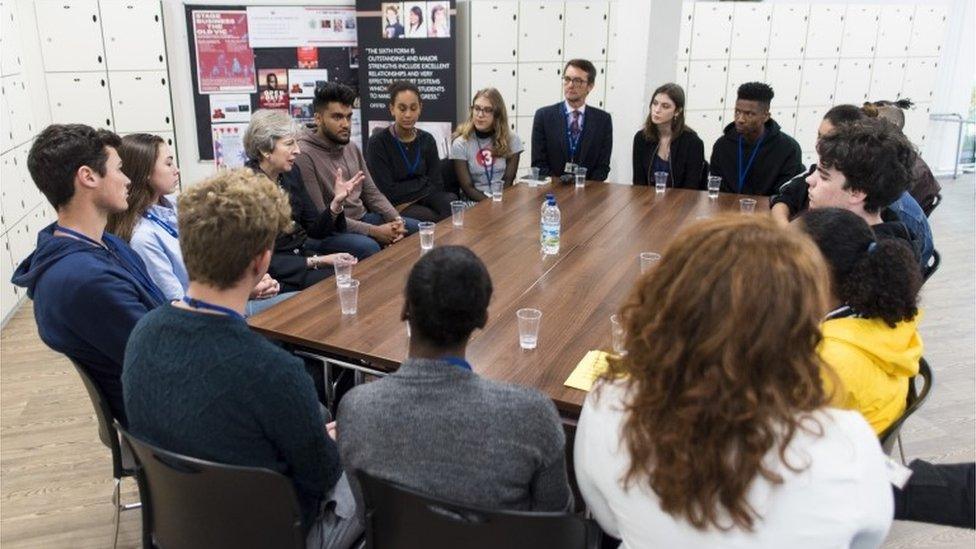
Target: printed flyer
point(225, 61)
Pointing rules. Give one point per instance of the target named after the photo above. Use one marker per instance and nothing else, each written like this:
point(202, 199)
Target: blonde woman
point(484, 149)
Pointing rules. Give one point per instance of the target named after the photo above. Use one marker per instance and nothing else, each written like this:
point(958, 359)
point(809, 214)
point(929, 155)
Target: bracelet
point(314, 262)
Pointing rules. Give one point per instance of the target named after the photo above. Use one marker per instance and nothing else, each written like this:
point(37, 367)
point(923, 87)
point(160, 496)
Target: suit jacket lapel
point(561, 119)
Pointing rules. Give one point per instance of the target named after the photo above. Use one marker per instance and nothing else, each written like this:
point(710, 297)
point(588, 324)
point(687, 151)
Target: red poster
point(225, 61)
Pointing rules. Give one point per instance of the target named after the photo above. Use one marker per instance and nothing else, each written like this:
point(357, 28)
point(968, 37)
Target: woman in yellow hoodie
point(871, 337)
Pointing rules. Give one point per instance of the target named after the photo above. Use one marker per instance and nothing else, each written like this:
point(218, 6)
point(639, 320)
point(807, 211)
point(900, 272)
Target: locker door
point(540, 31)
point(523, 127)
point(917, 123)
point(6, 120)
point(712, 30)
point(10, 54)
point(789, 31)
point(140, 101)
point(826, 28)
point(685, 34)
point(8, 297)
point(587, 28)
point(612, 86)
point(494, 32)
point(21, 109)
point(784, 77)
point(539, 84)
point(785, 117)
point(30, 192)
point(22, 238)
point(80, 97)
point(819, 81)
point(807, 121)
point(133, 35)
point(707, 124)
point(681, 74)
point(740, 72)
point(706, 85)
point(598, 95)
point(71, 35)
point(860, 31)
point(613, 12)
point(928, 31)
point(894, 31)
point(920, 75)
point(853, 81)
point(750, 30)
point(500, 77)
point(886, 79)
point(12, 205)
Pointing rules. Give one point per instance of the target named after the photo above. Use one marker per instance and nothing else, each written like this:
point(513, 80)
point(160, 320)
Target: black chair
point(936, 200)
point(191, 503)
point(400, 518)
point(449, 179)
point(932, 266)
point(122, 463)
point(916, 397)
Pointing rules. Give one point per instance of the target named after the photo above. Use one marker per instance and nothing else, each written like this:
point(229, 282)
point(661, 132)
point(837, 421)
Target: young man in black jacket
point(753, 156)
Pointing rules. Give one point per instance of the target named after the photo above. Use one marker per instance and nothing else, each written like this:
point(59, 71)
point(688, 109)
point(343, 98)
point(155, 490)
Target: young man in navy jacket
point(572, 133)
point(89, 288)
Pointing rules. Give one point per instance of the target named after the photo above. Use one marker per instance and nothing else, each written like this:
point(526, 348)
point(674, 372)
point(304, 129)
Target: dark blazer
point(550, 151)
point(686, 157)
point(777, 161)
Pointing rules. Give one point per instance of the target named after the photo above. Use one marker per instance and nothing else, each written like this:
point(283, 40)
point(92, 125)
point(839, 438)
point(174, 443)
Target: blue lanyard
point(489, 170)
point(197, 304)
point(136, 273)
point(573, 144)
point(411, 168)
point(459, 362)
point(166, 226)
point(745, 172)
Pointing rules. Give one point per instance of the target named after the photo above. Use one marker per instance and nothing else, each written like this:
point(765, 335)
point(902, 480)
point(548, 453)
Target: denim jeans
point(376, 219)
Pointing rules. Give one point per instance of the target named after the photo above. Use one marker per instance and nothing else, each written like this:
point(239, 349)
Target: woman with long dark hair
point(667, 144)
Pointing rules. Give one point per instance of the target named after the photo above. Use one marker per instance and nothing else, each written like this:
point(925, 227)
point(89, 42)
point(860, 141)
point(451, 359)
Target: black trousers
point(938, 494)
point(433, 207)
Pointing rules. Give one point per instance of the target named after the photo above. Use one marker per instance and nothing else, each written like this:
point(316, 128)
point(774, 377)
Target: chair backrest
point(936, 200)
point(916, 397)
point(191, 503)
point(933, 265)
point(400, 518)
point(106, 420)
point(449, 178)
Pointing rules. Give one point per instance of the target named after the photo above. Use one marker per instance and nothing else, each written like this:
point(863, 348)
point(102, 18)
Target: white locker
point(712, 30)
point(613, 13)
point(819, 81)
point(598, 95)
point(785, 117)
point(886, 79)
point(740, 72)
point(586, 30)
point(894, 30)
point(28, 188)
point(6, 120)
point(71, 35)
point(10, 53)
point(133, 32)
point(917, 123)
point(523, 127)
point(784, 77)
point(22, 238)
point(788, 33)
point(21, 110)
point(920, 75)
point(80, 97)
point(750, 30)
point(825, 29)
point(853, 81)
point(681, 74)
point(140, 101)
point(809, 157)
point(706, 85)
point(707, 124)
point(928, 31)
point(12, 206)
point(494, 32)
point(684, 35)
point(540, 31)
point(540, 84)
point(8, 295)
point(611, 86)
point(860, 31)
point(805, 131)
point(502, 77)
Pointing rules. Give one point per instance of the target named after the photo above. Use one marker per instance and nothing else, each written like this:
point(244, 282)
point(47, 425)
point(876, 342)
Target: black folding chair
point(936, 200)
point(122, 463)
point(932, 266)
point(191, 503)
point(916, 397)
point(400, 518)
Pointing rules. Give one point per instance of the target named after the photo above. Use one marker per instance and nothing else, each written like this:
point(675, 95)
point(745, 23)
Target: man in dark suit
point(572, 133)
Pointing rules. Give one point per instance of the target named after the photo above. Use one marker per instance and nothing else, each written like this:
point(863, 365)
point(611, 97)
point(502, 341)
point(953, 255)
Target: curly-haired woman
point(713, 430)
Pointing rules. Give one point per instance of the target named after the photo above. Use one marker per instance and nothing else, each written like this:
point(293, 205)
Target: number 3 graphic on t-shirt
point(485, 158)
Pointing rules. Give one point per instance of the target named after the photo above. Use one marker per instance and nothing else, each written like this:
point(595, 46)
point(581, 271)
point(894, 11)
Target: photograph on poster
point(234, 107)
point(416, 19)
point(440, 19)
point(303, 82)
point(273, 89)
point(225, 61)
point(353, 58)
point(392, 20)
point(301, 111)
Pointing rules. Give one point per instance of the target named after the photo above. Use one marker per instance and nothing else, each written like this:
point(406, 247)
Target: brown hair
point(677, 95)
point(721, 365)
point(892, 111)
point(138, 152)
point(226, 221)
point(501, 133)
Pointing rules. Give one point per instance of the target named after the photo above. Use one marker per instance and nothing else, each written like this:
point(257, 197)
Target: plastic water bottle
point(550, 227)
point(545, 202)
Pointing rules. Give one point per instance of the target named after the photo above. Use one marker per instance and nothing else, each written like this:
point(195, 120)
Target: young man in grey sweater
point(435, 425)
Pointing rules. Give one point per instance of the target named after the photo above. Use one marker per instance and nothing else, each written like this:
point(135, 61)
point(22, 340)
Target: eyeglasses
point(574, 81)
point(487, 111)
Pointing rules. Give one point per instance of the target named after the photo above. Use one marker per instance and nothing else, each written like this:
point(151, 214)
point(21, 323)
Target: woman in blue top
point(149, 225)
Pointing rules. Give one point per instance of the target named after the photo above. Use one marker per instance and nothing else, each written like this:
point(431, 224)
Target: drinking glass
point(349, 296)
point(457, 213)
point(534, 174)
point(660, 181)
point(617, 333)
point(528, 326)
point(647, 260)
point(497, 186)
point(343, 270)
point(426, 235)
point(580, 177)
point(747, 205)
point(714, 184)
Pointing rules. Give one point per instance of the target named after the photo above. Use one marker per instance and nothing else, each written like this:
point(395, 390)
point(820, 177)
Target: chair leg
point(116, 496)
point(901, 450)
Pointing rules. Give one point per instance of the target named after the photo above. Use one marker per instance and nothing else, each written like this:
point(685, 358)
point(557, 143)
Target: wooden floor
point(55, 477)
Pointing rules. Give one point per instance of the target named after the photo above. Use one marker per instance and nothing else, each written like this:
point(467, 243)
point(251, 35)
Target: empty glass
point(647, 260)
point(426, 235)
point(349, 296)
point(617, 338)
point(457, 213)
point(497, 186)
point(528, 327)
point(534, 175)
point(580, 177)
point(343, 270)
point(714, 184)
point(660, 181)
point(747, 205)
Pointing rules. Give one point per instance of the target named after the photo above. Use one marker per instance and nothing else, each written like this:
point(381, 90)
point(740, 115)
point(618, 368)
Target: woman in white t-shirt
point(713, 429)
point(484, 149)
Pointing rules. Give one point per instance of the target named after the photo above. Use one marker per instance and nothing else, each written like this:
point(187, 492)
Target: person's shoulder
point(689, 135)
point(597, 112)
point(848, 427)
point(526, 399)
point(548, 109)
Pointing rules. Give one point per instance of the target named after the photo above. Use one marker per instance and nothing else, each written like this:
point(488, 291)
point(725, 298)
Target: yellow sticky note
point(593, 365)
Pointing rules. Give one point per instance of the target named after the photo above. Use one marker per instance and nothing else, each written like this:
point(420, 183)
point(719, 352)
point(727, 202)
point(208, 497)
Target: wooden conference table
point(604, 229)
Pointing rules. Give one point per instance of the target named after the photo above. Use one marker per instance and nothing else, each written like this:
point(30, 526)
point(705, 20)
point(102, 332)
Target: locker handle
point(160, 58)
point(99, 58)
point(108, 122)
point(156, 17)
point(167, 120)
point(94, 18)
point(163, 80)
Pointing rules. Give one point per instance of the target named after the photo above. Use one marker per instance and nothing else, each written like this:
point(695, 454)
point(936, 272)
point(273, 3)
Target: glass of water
point(528, 327)
point(349, 296)
point(660, 181)
point(714, 184)
point(747, 205)
point(457, 213)
point(579, 177)
point(343, 269)
point(647, 260)
point(426, 235)
point(534, 175)
point(617, 334)
point(497, 186)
